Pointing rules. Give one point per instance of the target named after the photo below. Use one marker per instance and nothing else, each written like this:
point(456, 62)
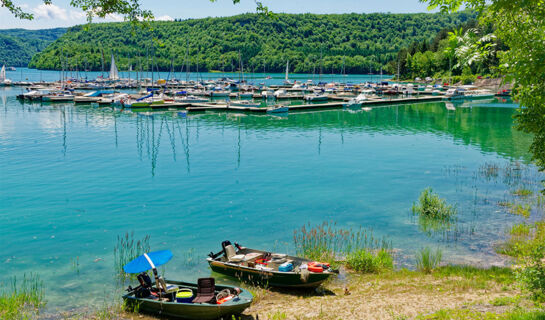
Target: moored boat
point(316, 97)
point(264, 268)
point(244, 103)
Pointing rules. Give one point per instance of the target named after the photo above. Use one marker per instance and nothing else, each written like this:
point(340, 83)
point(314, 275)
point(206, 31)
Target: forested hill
point(360, 42)
point(18, 46)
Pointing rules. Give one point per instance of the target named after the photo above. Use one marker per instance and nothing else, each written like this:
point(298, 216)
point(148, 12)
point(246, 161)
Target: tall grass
point(427, 259)
point(127, 249)
point(21, 300)
point(368, 261)
point(329, 243)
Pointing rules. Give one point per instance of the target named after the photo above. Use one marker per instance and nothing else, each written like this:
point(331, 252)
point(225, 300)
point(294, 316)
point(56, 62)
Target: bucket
point(184, 295)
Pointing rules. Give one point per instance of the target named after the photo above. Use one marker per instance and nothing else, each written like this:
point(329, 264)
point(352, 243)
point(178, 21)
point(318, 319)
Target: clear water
point(74, 178)
point(34, 75)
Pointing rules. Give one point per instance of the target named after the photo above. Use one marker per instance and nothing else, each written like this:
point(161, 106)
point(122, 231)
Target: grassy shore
point(449, 292)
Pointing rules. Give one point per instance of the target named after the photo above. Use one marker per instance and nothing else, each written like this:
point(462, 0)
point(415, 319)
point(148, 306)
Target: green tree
point(520, 24)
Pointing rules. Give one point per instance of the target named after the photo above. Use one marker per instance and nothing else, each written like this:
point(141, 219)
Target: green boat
point(189, 310)
point(178, 299)
point(268, 269)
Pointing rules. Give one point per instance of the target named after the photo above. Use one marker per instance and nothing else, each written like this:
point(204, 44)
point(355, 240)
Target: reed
point(427, 259)
point(127, 249)
point(329, 243)
point(22, 299)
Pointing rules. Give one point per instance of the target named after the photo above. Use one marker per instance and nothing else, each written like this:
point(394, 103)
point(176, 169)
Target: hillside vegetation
point(459, 54)
point(359, 42)
point(18, 46)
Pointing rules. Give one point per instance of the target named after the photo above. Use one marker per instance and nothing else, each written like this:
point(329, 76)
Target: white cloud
point(77, 15)
point(51, 11)
point(114, 17)
point(164, 18)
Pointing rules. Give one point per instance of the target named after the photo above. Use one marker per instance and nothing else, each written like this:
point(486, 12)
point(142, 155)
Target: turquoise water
point(72, 179)
point(34, 75)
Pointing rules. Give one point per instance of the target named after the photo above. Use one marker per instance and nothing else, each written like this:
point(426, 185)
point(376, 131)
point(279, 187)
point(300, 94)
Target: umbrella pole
point(157, 284)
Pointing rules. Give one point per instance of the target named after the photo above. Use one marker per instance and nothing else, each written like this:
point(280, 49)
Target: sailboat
point(287, 81)
point(114, 73)
point(3, 80)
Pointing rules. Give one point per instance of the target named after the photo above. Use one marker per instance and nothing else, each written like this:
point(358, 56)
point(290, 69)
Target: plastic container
point(285, 267)
point(184, 296)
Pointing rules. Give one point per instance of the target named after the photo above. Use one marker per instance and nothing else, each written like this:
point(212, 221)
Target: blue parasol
point(148, 261)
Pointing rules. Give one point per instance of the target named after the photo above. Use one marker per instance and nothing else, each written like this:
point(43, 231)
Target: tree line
point(313, 43)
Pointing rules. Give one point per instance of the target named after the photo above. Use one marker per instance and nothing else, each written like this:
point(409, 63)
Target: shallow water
point(73, 179)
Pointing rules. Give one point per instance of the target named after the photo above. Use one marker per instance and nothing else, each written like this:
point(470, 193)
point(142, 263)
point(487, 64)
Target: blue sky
point(60, 14)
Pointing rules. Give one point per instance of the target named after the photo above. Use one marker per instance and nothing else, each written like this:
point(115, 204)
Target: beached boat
point(264, 268)
point(178, 302)
point(201, 300)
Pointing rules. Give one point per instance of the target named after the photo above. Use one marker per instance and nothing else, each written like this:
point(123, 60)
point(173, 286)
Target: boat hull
point(268, 278)
point(190, 310)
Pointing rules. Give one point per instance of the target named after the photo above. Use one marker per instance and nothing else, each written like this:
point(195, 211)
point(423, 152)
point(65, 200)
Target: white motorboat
point(316, 97)
point(356, 102)
point(190, 99)
point(455, 94)
point(244, 103)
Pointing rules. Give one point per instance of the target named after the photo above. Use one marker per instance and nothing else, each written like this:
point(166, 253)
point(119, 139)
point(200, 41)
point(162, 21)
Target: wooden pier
point(196, 107)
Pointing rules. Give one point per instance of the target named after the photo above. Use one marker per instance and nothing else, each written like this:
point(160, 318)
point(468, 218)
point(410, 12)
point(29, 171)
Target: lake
point(74, 178)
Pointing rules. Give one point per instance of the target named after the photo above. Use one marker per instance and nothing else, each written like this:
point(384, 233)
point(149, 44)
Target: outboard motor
point(144, 290)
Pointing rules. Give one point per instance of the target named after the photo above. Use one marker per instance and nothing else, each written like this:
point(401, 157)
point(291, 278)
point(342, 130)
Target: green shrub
point(531, 272)
point(427, 260)
point(367, 261)
point(430, 205)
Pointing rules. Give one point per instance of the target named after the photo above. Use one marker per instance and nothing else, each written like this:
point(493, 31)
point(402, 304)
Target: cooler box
point(286, 267)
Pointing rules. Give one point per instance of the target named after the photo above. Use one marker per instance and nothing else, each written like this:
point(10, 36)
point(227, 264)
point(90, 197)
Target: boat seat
point(229, 252)
point(237, 258)
point(167, 288)
point(206, 288)
point(252, 256)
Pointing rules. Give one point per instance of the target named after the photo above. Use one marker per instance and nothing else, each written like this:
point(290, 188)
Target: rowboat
point(177, 299)
point(169, 306)
point(264, 268)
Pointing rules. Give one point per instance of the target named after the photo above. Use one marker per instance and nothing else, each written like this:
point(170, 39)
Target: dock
point(200, 107)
